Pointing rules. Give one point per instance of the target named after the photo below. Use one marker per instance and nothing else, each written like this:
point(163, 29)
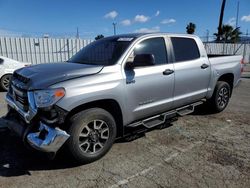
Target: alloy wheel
point(6, 82)
point(223, 97)
point(93, 136)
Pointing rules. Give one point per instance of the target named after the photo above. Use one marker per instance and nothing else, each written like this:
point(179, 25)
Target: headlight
point(47, 98)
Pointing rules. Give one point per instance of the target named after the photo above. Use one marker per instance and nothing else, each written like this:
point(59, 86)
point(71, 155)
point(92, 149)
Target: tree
point(99, 37)
point(219, 34)
point(191, 28)
point(229, 34)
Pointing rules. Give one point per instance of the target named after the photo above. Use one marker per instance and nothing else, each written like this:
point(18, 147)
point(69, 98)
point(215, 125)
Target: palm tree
point(99, 37)
point(229, 34)
point(221, 20)
point(235, 37)
point(191, 28)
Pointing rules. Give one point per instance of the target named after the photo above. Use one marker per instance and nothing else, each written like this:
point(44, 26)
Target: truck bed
point(219, 55)
point(226, 64)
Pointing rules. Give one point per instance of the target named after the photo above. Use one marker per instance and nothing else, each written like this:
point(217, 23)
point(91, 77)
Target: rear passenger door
point(192, 72)
point(148, 89)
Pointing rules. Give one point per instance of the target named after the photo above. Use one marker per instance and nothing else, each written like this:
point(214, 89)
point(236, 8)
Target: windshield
point(102, 52)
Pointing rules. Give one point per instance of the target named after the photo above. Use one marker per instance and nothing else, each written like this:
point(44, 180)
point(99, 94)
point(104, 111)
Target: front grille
point(19, 89)
point(21, 98)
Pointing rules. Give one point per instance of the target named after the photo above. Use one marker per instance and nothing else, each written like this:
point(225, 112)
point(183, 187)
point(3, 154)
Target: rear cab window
point(185, 49)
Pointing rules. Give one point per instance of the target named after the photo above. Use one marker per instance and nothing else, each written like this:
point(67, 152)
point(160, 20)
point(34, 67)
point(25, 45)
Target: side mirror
point(142, 60)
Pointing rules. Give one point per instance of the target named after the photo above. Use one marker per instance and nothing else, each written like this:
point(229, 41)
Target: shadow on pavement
point(17, 160)
point(2, 91)
point(202, 110)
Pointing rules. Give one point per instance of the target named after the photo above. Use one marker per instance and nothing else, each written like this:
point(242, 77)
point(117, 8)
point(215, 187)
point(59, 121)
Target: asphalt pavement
point(199, 150)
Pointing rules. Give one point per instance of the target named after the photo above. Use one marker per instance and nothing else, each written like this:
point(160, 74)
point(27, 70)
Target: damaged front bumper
point(27, 116)
point(40, 136)
point(47, 139)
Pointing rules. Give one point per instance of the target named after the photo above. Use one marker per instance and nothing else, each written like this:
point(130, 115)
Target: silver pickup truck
point(116, 87)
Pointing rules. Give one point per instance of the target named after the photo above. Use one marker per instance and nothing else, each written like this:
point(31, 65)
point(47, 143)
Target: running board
point(187, 109)
point(162, 118)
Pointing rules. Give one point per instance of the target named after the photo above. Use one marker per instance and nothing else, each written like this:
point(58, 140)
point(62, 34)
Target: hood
point(44, 75)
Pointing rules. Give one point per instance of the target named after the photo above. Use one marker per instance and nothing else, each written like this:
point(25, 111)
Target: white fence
point(47, 50)
point(40, 50)
point(229, 48)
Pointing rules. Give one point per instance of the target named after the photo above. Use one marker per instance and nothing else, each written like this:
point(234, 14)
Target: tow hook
point(47, 139)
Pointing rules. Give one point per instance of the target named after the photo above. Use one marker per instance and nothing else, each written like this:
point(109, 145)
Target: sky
point(61, 18)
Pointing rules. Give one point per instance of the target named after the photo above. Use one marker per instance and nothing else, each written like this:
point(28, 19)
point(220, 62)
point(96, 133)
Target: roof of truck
point(137, 35)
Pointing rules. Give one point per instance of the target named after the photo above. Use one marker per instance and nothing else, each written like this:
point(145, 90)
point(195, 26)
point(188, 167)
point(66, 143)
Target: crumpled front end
point(47, 139)
point(41, 128)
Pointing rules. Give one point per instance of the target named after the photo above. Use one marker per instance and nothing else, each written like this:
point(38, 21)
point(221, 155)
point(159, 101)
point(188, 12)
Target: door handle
point(168, 72)
point(204, 66)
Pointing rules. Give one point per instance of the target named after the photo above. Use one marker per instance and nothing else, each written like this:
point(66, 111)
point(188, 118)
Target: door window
point(155, 46)
point(185, 49)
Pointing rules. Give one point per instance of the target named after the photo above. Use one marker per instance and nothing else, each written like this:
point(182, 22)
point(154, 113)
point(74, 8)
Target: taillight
point(242, 65)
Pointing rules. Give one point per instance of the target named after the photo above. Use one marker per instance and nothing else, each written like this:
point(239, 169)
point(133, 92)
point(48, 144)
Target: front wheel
point(92, 133)
point(220, 98)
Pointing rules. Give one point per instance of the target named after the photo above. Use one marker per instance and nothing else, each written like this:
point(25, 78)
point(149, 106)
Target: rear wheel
point(5, 81)
point(92, 133)
point(221, 96)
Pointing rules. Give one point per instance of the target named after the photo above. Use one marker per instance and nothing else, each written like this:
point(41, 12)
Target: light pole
point(237, 14)
point(114, 25)
point(221, 20)
point(207, 35)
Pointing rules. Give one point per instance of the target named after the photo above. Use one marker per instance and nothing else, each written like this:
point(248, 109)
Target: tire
point(92, 134)
point(4, 82)
point(220, 98)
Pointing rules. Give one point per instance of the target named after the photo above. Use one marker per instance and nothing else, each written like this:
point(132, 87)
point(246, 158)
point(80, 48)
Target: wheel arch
point(229, 78)
point(6, 74)
point(110, 105)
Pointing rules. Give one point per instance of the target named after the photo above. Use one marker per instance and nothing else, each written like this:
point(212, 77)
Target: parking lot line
point(169, 158)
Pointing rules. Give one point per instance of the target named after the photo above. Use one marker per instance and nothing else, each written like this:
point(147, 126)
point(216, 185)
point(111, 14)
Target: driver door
point(149, 89)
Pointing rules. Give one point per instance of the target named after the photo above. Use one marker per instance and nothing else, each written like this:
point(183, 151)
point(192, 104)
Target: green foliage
point(191, 28)
point(99, 37)
point(228, 34)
